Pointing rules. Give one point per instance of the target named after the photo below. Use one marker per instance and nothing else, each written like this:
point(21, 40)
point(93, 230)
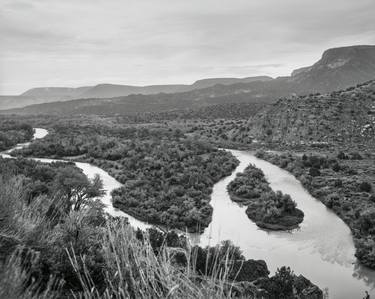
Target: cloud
point(72, 42)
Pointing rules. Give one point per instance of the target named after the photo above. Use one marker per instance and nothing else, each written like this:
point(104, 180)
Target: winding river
point(321, 249)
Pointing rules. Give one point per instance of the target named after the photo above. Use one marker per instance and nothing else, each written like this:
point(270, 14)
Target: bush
point(342, 156)
point(365, 187)
point(314, 172)
point(336, 167)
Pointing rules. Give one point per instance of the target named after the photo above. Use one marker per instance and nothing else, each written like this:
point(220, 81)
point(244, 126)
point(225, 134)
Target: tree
point(336, 167)
point(76, 188)
point(342, 156)
point(283, 282)
point(365, 187)
point(367, 220)
point(289, 205)
point(314, 171)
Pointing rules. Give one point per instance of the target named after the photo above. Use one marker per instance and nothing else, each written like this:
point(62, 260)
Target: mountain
point(53, 94)
point(254, 92)
point(337, 69)
point(64, 92)
point(138, 103)
point(228, 81)
point(116, 90)
point(112, 90)
point(7, 102)
point(41, 95)
point(11, 102)
point(345, 116)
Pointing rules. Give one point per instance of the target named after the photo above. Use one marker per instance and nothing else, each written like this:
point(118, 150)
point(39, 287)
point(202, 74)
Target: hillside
point(117, 90)
point(227, 81)
point(12, 102)
point(113, 90)
point(346, 116)
point(40, 95)
point(64, 92)
point(260, 92)
point(54, 94)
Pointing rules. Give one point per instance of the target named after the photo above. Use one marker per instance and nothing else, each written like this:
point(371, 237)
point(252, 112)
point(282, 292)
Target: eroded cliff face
point(337, 69)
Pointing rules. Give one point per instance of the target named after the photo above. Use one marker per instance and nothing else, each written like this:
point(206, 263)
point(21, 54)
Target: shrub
point(342, 156)
point(365, 187)
point(336, 167)
point(314, 171)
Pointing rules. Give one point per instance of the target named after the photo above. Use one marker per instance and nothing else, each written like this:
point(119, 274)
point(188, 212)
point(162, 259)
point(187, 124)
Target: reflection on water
point(321, 248)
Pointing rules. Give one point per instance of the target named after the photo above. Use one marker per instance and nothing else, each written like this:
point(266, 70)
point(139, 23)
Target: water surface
point(321, 249)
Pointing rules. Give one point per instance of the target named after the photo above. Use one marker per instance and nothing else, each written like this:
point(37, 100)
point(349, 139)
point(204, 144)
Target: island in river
point(344, 183)
point(82, 226)
point(267, 208)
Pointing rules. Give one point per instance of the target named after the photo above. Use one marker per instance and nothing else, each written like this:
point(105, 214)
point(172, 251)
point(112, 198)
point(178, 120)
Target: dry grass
point(132, 268)
point(134, 271)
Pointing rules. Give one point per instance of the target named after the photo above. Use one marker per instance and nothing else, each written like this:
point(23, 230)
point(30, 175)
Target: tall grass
point(133, 270)
point(17, 281)
point(132, 267)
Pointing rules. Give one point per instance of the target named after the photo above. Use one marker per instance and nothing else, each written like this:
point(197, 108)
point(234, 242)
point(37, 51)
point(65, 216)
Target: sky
point(140, 42)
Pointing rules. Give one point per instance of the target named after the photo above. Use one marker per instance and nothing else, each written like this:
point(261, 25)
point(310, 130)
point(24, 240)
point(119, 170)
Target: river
point(109, 183)
point(321, 249)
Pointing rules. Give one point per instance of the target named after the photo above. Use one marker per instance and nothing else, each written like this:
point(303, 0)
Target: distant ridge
point(228, 81)
point(40, 95)
point(55, 91)
point(106, 90)
point(338, 69)
point(115, 90)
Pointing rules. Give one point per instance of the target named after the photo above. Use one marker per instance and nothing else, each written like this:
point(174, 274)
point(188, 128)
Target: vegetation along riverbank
point(167, 177)
point(344, 182)
point(57, 242)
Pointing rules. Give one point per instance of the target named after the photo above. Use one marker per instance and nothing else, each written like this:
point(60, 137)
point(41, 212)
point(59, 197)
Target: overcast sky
point(139, 42)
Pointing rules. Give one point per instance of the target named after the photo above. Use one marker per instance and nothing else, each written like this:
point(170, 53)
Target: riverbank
point(345, 184)
point(84, 233)
point(166, 177)
point(324, 256)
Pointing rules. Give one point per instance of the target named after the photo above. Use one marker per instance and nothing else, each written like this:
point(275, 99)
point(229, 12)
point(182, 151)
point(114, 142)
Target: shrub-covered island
point(268, 209)
point(344, 183)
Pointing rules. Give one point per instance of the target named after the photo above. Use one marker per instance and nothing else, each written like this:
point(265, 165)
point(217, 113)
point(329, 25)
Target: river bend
point(321, 249)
